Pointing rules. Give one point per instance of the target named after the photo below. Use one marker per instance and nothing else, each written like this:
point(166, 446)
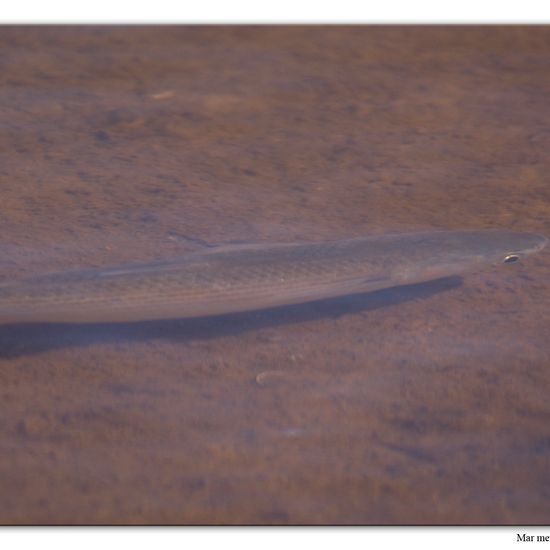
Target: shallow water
point(419, 404)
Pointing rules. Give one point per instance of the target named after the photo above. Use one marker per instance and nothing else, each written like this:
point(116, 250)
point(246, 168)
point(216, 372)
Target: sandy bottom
point(421, 404)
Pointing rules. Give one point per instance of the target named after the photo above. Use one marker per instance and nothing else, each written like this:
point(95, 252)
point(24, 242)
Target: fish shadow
point(29, 339)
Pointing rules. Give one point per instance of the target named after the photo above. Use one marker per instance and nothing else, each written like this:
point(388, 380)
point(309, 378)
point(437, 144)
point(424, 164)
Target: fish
point(237, 278)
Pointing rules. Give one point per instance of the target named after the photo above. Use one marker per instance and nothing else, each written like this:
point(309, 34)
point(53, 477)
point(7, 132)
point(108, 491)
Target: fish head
point(446, 253)
point(507, 247)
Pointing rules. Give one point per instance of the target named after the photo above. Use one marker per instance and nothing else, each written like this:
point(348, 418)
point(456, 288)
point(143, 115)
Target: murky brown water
point(426, 404)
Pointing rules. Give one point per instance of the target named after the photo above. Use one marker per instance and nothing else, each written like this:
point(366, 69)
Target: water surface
point(420, 404)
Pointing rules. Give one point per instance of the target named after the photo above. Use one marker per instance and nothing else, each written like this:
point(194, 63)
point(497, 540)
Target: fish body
point(248, 277)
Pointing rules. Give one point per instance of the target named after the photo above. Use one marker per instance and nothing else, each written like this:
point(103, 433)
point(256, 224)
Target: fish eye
point(510, 259)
